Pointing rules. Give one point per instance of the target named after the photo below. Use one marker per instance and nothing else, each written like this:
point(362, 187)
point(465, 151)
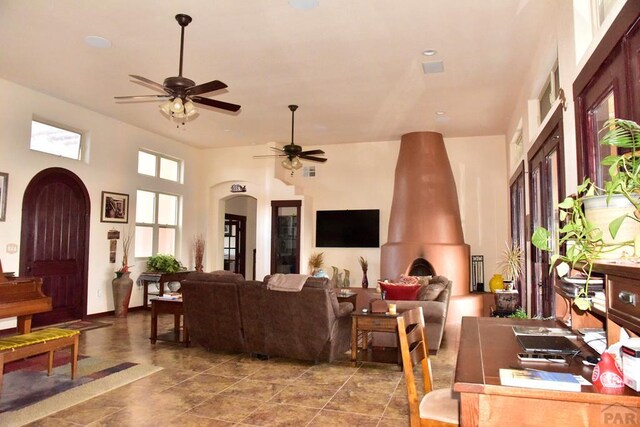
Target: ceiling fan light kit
point(181, 91)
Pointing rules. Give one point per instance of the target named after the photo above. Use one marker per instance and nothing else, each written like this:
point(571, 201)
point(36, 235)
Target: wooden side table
point(147, 278)
point(347, 297)
point(166, 306)
point(363, 323)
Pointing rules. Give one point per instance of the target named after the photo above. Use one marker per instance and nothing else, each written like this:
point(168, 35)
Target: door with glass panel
point(285, 236)
point(517, 196)
point(234, 243)
point(546, 184)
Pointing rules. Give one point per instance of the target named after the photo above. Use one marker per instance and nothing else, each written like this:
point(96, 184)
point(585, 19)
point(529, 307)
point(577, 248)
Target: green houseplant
point(165, 263)
point(583, 242)
point(511, 263)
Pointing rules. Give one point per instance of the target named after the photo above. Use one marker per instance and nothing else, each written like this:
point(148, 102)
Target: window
point(159, 166)
point(156, 223)
point(549, 93)
point(600, 10)
point(55, 140)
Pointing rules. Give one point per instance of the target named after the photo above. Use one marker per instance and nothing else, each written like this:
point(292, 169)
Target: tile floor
point(200, 388)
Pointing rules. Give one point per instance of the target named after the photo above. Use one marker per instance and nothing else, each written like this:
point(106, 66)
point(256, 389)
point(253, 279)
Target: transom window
point(549, 93)
point(156, 223)
point(56, 140)
point(159, 166)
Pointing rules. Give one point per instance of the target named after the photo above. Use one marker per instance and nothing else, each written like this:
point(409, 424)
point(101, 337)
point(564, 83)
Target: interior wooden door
point(285, 236)
point(546, 187)
point(55, 242)
point(235, 243)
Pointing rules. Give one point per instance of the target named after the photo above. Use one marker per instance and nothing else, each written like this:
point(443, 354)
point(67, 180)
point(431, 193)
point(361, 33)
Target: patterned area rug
point(79, 325)
point(28, 395)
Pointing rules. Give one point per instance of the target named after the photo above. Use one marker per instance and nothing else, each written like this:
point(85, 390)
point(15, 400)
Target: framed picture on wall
point(4, 180)
point(115, 207)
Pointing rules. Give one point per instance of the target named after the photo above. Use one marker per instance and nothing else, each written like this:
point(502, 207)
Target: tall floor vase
point(122, 287)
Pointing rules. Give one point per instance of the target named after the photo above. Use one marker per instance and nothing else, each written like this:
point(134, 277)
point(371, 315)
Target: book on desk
point(533, 378)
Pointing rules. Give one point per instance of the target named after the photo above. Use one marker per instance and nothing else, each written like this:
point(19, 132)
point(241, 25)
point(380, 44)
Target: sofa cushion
point(431, 291)
point(398, 291)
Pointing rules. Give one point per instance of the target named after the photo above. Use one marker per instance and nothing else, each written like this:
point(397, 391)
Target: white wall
point(111, 165)
point(360, 176)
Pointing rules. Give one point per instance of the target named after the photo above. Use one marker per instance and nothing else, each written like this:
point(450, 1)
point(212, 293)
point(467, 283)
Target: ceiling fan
point(180, 91)
point(293, 152)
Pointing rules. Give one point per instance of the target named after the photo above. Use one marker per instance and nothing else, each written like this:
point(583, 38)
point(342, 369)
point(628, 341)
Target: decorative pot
point(496, 283)
point(122, 286)
point(597, 211)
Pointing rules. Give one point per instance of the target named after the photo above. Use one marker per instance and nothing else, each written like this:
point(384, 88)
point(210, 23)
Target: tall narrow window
point(549, 92)
point(156, 223)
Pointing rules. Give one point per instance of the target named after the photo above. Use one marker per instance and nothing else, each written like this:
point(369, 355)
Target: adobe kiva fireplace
point(425, 230)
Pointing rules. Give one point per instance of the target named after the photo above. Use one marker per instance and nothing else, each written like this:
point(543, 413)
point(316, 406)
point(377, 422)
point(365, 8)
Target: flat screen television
point(348, 229)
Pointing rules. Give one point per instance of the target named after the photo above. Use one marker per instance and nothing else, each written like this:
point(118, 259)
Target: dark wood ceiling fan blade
point(306, 153)
point(206, 87)
point(279, 150)
point(313, 158)
point(149, 82)
point(215, 103)
point(264, 156)
point(150, 97)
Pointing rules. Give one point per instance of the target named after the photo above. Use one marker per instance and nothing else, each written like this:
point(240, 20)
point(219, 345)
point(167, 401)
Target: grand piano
point(22, 297)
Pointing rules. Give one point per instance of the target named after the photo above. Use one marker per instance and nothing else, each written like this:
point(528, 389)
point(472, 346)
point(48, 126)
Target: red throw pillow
point(400, 292)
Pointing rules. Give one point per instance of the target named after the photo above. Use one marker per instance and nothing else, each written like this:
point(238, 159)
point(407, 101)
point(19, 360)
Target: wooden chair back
point(414, 349)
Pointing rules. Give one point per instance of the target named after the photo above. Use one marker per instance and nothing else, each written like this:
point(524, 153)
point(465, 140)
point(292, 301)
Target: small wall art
point(4, 180)
point(115, 207)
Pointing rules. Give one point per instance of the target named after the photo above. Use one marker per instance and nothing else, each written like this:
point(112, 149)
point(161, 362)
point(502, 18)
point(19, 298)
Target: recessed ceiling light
point(429, 52)
point(304, 4)
point(97, 41)
point(440, 113)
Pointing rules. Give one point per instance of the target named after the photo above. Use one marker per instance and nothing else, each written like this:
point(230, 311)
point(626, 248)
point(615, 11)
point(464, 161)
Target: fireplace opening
point(421, 267)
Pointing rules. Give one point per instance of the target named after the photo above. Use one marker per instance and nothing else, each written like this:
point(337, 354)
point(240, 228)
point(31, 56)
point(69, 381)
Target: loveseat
point(435, 311)
point(226, 312)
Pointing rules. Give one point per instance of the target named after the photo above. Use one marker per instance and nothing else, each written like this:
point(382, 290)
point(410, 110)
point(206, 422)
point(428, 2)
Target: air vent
point(433, 67)
point(309, 171)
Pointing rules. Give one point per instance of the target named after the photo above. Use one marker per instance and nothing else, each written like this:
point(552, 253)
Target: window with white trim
point(56, 140)
point(159, 165)
point(550, 92)
point(600, 9)
point(157, 217)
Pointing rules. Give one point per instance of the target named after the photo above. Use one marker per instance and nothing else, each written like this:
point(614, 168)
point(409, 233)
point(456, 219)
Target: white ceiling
point(353, 66)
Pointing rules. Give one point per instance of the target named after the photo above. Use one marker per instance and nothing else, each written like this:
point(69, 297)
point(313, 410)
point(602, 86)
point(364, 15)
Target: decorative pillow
point(431, 292)
point(408, 280)
point(398, 291)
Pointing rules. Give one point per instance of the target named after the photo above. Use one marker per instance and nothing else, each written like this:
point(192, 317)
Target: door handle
point(28, 268)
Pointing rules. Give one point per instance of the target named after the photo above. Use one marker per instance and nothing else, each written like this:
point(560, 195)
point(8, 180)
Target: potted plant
point(122, 285)
point(511, 264)
point(316, 261)
point(582, 241)
point(164, 263)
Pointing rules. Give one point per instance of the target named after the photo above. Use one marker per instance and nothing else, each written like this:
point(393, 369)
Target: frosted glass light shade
point(176, 106)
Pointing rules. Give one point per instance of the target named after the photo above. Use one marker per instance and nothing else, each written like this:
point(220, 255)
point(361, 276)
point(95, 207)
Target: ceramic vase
point(122, 287)
point(496, 283)
point(346, 282)
point(365, 280)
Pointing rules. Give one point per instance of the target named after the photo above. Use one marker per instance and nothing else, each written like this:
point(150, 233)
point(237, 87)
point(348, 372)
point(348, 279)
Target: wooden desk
point(175, 307)
point(488, 344)
point(147, 278)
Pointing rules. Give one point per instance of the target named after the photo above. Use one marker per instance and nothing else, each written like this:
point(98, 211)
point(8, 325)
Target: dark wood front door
point(55, 242)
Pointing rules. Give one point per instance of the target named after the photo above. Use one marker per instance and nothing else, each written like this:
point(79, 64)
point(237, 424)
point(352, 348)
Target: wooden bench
point(43, 341)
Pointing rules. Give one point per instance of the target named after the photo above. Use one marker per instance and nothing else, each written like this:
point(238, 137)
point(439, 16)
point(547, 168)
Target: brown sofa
point(435, 317)
point(226, 312)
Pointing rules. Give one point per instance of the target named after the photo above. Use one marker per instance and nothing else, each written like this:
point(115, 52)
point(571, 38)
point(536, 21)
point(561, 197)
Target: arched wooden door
point(55, 242)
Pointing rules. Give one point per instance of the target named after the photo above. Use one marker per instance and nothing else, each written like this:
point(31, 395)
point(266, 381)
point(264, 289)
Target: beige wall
point(111, 166)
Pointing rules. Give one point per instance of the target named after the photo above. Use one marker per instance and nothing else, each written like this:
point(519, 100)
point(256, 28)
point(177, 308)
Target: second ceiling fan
point(293, 152)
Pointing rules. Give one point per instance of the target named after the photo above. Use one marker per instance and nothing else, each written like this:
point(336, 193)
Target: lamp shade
point(165, 107)
point(176, 105)
point(286, 163)
point(189, 109)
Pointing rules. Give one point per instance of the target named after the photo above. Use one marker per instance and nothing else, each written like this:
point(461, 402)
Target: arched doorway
point(239, 250)
point(55, 242)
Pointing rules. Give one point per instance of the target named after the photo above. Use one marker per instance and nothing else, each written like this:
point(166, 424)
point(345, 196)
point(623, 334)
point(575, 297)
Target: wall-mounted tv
point(348, 229)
